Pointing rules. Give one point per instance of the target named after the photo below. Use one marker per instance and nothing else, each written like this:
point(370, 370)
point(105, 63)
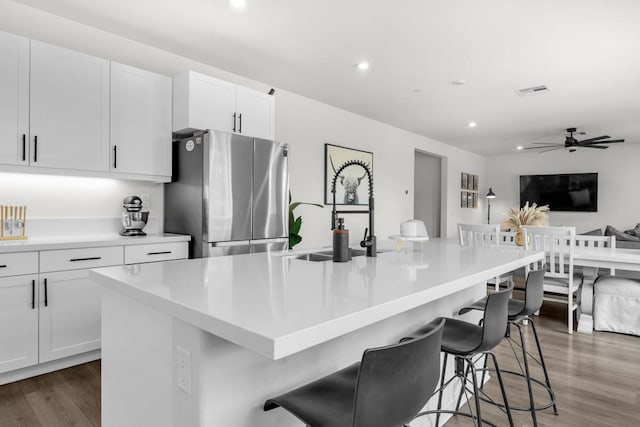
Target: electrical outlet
point(184, 370)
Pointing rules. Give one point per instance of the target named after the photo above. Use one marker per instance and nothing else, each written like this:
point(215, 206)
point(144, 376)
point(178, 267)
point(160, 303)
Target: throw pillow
point(612, 231)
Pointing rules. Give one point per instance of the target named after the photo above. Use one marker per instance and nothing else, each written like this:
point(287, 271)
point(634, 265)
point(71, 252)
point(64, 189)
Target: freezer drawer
point(226, 248)
point(270, 245)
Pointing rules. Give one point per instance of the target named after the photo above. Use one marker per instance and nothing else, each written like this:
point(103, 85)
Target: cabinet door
point(14, 99)
point(69, 314)
point(140, 121)
point(203, 102)
point(69, 109)
point(255, 113)
point(18, 322)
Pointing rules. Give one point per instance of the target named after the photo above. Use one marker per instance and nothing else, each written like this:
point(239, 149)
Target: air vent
point(535, 90)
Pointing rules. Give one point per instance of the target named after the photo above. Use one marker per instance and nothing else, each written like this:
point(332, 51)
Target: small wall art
point(469, 185)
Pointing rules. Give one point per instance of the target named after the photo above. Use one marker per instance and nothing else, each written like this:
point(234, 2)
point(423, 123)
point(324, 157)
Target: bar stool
point(464, 341)
point(386, 389)
point(520, 314)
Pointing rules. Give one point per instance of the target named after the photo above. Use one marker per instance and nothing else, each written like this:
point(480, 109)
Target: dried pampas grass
point(528, 215)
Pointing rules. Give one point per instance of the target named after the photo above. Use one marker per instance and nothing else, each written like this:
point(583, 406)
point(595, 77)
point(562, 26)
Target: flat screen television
point(569, 192)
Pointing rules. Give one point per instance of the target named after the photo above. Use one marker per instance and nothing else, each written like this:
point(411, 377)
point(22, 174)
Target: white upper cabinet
point(202, 102)
point(69, 109)
point(140, 122)
point(14, 99)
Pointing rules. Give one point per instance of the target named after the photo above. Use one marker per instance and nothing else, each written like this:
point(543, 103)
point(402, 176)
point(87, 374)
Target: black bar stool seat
point(464, 341)
point(386, 389)
point(518, 312)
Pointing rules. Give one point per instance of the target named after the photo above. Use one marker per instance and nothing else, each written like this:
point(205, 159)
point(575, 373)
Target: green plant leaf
point(296, 223)
point(294, 228)
point(294, 239)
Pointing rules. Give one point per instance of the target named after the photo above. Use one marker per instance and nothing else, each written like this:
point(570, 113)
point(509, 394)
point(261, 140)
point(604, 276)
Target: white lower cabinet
point(50, 309)
point(69, 314)
point(18, 322)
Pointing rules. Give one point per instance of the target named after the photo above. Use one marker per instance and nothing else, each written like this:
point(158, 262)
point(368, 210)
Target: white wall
point(302, 122)
point(618, 178)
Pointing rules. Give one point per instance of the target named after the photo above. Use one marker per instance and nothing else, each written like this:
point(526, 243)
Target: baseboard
point(44, 368)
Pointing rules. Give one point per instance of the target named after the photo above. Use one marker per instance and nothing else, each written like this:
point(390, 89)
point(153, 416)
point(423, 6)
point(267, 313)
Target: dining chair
point(480, 235)
point(560, 280)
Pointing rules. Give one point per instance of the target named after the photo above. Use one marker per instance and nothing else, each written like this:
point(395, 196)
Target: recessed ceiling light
point(519, 147)
point(238, 4)
point(417, 90)
point(363, 66)
point(458, 82)
point(472, 124)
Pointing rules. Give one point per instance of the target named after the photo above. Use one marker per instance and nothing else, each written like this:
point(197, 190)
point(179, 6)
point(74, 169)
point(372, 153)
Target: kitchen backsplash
point(72, 227)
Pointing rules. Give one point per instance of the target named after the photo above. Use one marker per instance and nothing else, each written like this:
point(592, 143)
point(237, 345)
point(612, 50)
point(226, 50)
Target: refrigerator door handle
point(227, 244)
point(276, 240)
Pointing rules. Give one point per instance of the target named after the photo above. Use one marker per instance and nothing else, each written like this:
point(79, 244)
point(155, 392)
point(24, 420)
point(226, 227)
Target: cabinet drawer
point(134, 254)
point(14, 264)
point(73, 259)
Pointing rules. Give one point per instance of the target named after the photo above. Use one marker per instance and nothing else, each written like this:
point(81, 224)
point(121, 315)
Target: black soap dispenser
point(341, 251)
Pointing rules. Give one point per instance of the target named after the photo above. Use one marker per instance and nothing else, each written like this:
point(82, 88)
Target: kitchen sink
point(328, 255)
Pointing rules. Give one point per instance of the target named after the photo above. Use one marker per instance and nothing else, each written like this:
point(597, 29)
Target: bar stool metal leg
point(527, 375)
point(444, 369)
point(544, 367)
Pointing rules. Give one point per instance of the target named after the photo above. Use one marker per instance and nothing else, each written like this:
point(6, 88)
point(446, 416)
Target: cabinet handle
point(33, 294)
point(24, 147)
point(3, 266)
point(115, 156)
point(46, 297)
point(240, 120)
point(35, 148)
point(93, 258)
point(234, 122)
point(159, 253)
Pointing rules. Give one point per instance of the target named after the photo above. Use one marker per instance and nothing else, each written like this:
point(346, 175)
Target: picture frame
point(464, 181)
point(476, 180)
point(463, 199)
point(352, 187)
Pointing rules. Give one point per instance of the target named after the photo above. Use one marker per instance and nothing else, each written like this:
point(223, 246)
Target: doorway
point(427, 190)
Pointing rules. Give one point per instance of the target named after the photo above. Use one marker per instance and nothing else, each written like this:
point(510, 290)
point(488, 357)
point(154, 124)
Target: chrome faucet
point(369, 240)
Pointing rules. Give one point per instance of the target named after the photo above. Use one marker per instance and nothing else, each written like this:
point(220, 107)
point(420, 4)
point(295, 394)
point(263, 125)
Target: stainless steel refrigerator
point(230, 193)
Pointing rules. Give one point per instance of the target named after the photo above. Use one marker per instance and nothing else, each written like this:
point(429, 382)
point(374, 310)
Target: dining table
point(591, 259)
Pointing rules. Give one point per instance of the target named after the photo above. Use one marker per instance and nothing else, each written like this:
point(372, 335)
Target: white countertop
point(277, 305)
point(73, 242)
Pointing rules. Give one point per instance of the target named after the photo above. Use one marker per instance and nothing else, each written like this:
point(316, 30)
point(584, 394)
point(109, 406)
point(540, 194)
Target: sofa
point(625, 239)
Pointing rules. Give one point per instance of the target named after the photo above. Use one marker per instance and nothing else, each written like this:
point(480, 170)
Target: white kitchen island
point(244, 328)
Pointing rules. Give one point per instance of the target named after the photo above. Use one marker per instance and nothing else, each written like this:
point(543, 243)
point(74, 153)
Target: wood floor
point(596, 378)
point(70, 397)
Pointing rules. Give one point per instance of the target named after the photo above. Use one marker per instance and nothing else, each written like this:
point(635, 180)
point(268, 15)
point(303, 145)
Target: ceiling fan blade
point(544, 146)
point(612, 141)
point(551, 149)
point(601, 147)
point(545, 143)
point(597, 138)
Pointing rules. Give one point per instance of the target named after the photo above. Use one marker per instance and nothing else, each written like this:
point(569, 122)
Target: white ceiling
point(586, 51)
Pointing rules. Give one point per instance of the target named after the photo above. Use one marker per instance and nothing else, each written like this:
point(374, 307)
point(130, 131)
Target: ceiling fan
point(572, 144)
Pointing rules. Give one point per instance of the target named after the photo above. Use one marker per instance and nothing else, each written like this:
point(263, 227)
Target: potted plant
point(527, 215)
point(296, 223)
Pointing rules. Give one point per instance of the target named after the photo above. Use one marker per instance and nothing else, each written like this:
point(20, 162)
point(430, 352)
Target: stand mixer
point(134, 219)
